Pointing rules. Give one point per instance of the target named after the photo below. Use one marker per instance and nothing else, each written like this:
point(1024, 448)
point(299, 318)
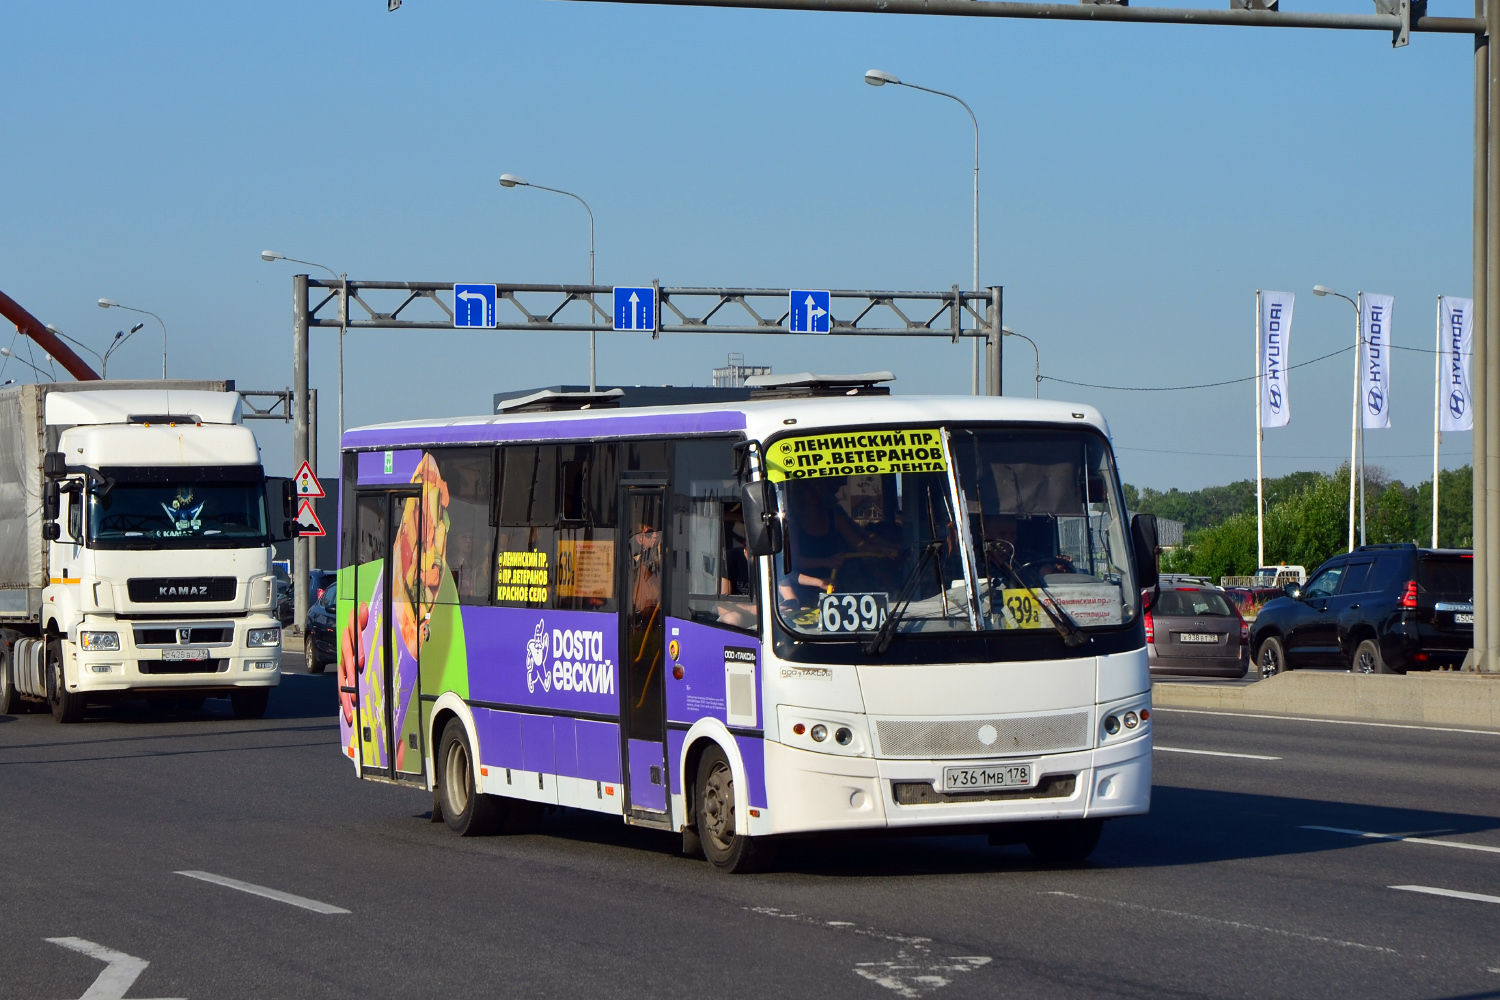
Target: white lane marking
point(1236, 924)
point(1478, 897)
point(260, 890)
point(1410, 840)
point(1331, 722)
point(1215, 753)
point(913, 972)
point(119, 974)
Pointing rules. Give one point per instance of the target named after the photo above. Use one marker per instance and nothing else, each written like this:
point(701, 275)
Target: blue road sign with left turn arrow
point(635, 308)
point(808, 312)
point(474, 307)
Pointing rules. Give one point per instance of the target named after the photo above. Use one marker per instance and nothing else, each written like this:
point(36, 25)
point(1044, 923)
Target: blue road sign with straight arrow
point(474, 307)
point(808, 312)
point(635, 308)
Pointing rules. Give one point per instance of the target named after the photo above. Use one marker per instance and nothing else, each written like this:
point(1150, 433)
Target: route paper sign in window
point(855, 454)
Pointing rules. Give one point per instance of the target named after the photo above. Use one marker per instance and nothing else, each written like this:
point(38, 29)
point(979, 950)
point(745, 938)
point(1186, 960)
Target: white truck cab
point(149, 568)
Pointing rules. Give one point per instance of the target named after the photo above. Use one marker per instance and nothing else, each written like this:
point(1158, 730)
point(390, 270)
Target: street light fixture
point(112, 304)
point(5, 352)
point(1357, 434)
point(1006, 331)
point(512, 181)
point(879, 78)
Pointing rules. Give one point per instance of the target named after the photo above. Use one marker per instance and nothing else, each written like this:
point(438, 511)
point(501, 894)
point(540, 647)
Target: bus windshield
point(874, 530)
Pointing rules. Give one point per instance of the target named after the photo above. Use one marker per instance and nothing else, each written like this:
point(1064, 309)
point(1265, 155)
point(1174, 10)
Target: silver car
point(1193, 628)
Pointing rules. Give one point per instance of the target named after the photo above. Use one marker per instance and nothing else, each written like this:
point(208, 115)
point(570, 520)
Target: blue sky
point(1139, 182)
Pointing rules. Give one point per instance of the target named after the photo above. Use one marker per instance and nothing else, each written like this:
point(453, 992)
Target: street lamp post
point(1006, 331)
point(1357, 433)
point(304, 446)
point(879, 78)
point(119, 341)
point(112, 304)
point(5, 352)
point(512, 181)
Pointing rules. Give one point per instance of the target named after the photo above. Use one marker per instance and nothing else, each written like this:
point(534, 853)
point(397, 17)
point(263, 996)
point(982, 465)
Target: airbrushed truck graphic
point(649, 613)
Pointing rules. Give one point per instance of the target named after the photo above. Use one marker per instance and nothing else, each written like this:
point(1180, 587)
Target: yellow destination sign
point(861, 453)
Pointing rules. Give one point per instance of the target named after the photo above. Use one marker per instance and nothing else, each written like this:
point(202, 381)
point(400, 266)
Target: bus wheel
point(248, 703)
point(66, 707)
point(1066, 841)
point(724, 847)
point(467, 812)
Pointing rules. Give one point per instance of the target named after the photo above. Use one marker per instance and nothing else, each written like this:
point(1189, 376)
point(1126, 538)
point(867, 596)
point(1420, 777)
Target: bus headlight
point(99, 641)
point(263, 637)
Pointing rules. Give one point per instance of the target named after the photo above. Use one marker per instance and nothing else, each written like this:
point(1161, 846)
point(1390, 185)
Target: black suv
point(1381, 609)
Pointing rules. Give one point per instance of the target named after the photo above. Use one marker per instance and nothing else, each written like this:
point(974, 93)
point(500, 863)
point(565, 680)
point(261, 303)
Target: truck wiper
point(882, 640)
point(1071, 634)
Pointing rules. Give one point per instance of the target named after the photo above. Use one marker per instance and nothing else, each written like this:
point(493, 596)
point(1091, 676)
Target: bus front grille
point(1002, 737)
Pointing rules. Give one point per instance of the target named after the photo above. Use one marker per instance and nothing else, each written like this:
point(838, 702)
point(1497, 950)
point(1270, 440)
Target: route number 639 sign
point(851, 612)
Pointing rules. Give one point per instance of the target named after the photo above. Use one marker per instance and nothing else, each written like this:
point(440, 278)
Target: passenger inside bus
point(829, 545)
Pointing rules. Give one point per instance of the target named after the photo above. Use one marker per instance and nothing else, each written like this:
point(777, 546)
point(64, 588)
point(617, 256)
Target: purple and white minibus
point(818, 609)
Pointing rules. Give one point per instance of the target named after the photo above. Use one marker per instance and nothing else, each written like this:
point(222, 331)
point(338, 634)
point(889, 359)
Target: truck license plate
point(184, 654)
point(1463, 618)
point(984, 778)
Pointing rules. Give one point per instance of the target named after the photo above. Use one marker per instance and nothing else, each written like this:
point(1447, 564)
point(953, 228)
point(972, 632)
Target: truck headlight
point(96, 641)
point(263, 637)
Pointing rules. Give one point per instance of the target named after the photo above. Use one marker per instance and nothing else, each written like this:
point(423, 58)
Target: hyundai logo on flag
point(1456, 404)
point(1275, 392)
point(1377, 401)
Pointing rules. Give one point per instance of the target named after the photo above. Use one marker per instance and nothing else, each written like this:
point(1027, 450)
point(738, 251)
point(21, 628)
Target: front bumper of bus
point(227, 660)
point(812, 791)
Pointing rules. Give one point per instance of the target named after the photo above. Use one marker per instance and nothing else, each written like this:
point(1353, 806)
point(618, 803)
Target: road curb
point(1442, 698)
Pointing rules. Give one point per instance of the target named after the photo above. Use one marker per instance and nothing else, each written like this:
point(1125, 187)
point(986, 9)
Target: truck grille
point(197, 635)
point(1000, 737)
point(175, 590)
point(182, 666)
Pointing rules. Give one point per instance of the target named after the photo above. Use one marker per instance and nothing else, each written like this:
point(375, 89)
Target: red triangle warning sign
point(307, 483)
point(307, 521)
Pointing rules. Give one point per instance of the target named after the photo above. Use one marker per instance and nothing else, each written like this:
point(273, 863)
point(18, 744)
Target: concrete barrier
point(1443, 698)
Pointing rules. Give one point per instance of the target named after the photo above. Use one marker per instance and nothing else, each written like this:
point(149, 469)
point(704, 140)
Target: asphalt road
point(1220, 892)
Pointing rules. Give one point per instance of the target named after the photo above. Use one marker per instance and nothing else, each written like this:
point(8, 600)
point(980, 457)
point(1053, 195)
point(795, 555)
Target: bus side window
point(713, 577)
point(468, 474)
point(584, 577)
point(526, 538)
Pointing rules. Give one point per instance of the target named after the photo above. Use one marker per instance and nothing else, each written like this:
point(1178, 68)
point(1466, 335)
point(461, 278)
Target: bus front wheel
point(724, 845)
point(467, 811)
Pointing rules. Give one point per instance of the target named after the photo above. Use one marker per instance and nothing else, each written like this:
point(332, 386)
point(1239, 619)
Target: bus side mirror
point(762, 525)
point(1143, 539)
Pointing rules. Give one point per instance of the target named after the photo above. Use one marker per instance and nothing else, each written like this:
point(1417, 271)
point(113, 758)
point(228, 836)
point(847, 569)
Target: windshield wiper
point(1071, 634)
point(882, 640)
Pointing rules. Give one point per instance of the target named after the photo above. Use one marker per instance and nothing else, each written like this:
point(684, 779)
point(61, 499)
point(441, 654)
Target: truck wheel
point(467, 811)
point(725, 847)
point(66, 706)
point(249, 703)
point(1064, 841)
point(10, 698)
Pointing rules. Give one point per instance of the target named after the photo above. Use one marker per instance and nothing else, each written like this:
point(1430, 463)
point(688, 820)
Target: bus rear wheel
point(725, 847)
point(467, 811)
point(1066, 841)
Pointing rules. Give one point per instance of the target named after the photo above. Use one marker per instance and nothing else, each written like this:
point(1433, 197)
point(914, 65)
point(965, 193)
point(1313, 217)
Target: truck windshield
point(157, 509)
point(873, 529)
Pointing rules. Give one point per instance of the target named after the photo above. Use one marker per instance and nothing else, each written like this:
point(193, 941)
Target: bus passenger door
point(389, 590)
point(643, 708)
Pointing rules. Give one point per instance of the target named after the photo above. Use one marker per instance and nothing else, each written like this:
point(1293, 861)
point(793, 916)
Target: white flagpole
point(1260, 435)
point(1360, 423)
point(1354, 428)
point(1437, 414)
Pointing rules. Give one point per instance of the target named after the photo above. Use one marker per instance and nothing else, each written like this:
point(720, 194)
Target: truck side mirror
point(54, 465)
point(281, 497)
point(762, 523)
point(51, 531)
point(1143, 540)
point(51, 501)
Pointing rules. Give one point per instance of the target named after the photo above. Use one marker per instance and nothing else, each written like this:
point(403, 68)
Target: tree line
point(1307, 518)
